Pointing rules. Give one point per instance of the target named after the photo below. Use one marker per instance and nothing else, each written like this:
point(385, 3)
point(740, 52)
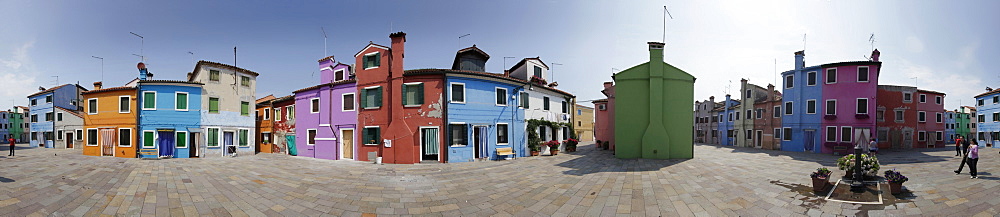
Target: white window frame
point(898, 116)
point(815, 107)
point(78, 135)
point(938, 100)
point(362, 135)
point(144, 100)
point(508, 133)
point(343, 71)
point(97, 140)
point(923, 98)
point(59, 135)
point(143, 141)
point(59, 116)
point(354, 107)
point(938, 117)
point(836, 133)
point(403, 93)
point(366, 95)
point(939, 136)
point(366, 56)
point(120, 104)
point(131, 137)
point(815, 78)
point(187, 104)
point(277, 113)
point(187, 137)
point(789, 85)
point(867, 104)
point(289, 110)
point(788, 108)
point(785, 136)
point(827, 110)
point(267, 113)
point(315, 103)
point(921, 138)
point(94, 101)
point(922, 114)
point(777, 134)
point(826, 77)
point(250, 137)
point(841, 133)
point(777, 112)
point(904, 97)
point(315, 132)
point(451, 95)
point(867, 78)
point(218, 137)
point(506, 96)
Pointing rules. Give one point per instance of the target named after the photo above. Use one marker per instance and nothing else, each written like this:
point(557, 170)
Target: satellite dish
point(140, 65)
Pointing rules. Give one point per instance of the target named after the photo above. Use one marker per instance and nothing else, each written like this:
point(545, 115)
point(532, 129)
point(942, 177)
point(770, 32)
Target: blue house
point(169, 118)
point(727, 117)
point(488, 115)
point(988, 107)
point(949, 127)
point(800, 131)
point(42, 111)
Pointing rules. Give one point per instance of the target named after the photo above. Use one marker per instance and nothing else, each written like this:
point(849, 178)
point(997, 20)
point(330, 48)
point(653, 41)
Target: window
point(48, 99)
point(313, 105)
point(831, 107)
point(749, 114)
point(899, 115)
point(846, 134)
point(59, 116)
point(737, 115)
point(267, 114)
point(788, 108)
point(545, 103)
point(290, 110)
point(59, 135)
point(921, 136)
point(921, 116)
point(760, 113)
point(124, 104)
point(831, 76)
point(788, 81)
point(213, 105)
point(125, 137)
point(148, 139)
point(811, 78)
point(413, 94)
point(244, 137)
point(565, 107)
point(880, 115)
point(939, 136)
point(862, 106)
point(715, 133)
point(980, 102)
point(501, 96)
point(372, 60)
point(502, 134)
point(831, 134)
point(542, 131)
point(937, 100)
point(811, 106)
point(923, 98)
point(996, 99)
point(787, 134)
point(265, 138)
point(92, 137)
point(749, 94)
point(148, 100)
point(777, 111)
point(48, 116)
point(245, 108)
point(524, 101)
point(92, 106)
point(79, 134)
point(730, 116)
point(34, 118)
point(538, 72)
point(371, 97)
point(338, 75)
point(245, 81)
point(883, 135)
point(371, 136)
point(213, 75)
point(982, 118)
point(862, 74)
point(938, 117)
point(34, 102)
point(579, 112)
point(181, 101)
point(347, 101)
point(213, 137)
point(749, 134)
point(181, 140)
point(777, 133)
point(311, 139)
point(907, 97)
point(996, 116)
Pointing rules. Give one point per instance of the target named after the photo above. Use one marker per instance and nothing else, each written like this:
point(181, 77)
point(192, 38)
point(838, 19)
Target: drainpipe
point(446, 131)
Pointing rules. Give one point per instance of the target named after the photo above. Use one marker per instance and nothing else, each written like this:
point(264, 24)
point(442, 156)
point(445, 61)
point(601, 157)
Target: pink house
point(604, 116)
point(848, 104)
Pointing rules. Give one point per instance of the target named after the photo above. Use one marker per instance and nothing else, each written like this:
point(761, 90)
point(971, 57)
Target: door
point(347, 144)
point(810, 140)
point(757, 140)
point(862, 136)
point(227, 142)
point(108, 139)
point(193, 144)
point(69, 140)
point(479, 144)
point(166, 143)
point(907, 138)
point(429, 143)
point(291, 145)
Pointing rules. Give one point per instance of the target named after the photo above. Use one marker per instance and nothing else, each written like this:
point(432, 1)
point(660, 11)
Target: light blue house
point(727, 117)
point(169, 118)
point(42, 111)
point(988, 109)
point(800, 129)
point(949, 127)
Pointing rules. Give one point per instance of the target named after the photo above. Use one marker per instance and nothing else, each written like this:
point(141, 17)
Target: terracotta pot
point(554, 152)
point(895, 188)
point(534, 153)
point(820, 184)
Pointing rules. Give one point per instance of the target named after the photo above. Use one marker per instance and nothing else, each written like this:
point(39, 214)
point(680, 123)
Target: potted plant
point(821, 179)
point(534, 148)
point(895, 180)
point(553, 147)
point(571, 144)
point(869, 165)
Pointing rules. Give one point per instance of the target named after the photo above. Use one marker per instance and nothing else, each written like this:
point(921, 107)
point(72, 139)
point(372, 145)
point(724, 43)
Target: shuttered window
point(213, 105)
point(148, 140)
point(371, 135)
point(245, 108)
point(148, 100)
point(181, 101)
point(413, 94)
point(181, 139)
point(372, 60)
point(213, 137)
point(371, 98)
point(244, 138)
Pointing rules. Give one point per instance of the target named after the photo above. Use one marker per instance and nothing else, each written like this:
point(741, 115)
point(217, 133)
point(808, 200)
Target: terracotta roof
point(22, 107)
point(487, 74)
point(106, 90)
point(988, 93)
point(76, 113)
point(851, 63)
point(54, 89)
point(284, 98)
point(326, 84)
point(519, 63)
point(265, 99)
point(931, 91)
point(370, 44)
point(169, 81)
point(600, 100)
point(220, 65)
point(588, 107)
point(326, 58)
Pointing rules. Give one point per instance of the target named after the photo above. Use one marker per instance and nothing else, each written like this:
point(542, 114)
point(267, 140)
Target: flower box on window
point(830, 117)
point(861, 116)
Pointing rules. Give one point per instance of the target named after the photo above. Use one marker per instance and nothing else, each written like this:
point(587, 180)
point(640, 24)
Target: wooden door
point(347, 144)
point(69, 140)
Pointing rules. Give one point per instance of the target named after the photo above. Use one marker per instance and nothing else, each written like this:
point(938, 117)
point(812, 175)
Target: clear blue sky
point(945, 45)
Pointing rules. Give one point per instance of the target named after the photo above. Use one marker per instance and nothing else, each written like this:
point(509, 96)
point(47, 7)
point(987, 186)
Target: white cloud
point(914, 44)
point(17, 75)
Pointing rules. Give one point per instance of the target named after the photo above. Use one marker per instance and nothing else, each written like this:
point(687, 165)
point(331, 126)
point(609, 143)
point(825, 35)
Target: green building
point(653, 115)
point(964, 121)
point(16, 124)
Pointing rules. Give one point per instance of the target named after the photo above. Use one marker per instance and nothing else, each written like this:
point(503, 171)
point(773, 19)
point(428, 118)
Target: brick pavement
point(721, 181)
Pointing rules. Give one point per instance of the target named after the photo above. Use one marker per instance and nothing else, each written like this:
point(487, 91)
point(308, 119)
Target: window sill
point(372, 107)
point(411, 106)
point(371, 144)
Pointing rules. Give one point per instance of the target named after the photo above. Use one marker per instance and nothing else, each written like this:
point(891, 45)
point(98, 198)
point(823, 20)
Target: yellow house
point(584, 117)
point(109, 123)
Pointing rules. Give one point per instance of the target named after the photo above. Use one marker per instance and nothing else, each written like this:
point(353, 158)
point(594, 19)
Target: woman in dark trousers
point(965, 154)
point(973, 158)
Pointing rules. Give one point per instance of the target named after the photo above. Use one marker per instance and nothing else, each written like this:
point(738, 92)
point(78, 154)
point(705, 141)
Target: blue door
point(166, 143)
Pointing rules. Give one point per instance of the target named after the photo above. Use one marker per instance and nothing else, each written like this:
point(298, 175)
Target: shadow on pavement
point(591, 160)
point(5, 179)
point(885, 156)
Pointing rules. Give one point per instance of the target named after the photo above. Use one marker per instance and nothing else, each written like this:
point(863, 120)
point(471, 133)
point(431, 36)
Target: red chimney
point(608, 84)
point(97, 85)
point(398, 53)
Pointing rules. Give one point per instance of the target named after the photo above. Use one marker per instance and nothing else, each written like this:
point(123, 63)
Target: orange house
point(109, 123)
point(264, 124)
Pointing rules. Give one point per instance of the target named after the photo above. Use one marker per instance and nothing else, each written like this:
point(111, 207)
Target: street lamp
point(102, 66)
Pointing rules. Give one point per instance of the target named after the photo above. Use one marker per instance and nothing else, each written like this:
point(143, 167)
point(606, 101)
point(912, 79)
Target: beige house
point(584, 125)
point(228, 124)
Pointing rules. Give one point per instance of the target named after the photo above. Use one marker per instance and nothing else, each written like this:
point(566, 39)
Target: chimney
point(727, 103)
point(506, 73)
point(800, 60)
point(712, 99)
point(97, 85)
point(770, 92)
point(142, 71)
point(40, 88)
point(875, 55)
point(608, 84)
point(655, 51)
point(189, 76)
point(398, 53)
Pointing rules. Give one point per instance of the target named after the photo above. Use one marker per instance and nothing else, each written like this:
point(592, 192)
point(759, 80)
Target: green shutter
point(213, 137)
point(377, 59)
point(244, 108)
point(147, 139)
point(364, 99)
point(367, 60)
point(420, 94)
point(243, 137)
point(149, 100)
point(404, 94)
point(378, 135)
point(213, 105)
point(182, 101)
point(378, 97)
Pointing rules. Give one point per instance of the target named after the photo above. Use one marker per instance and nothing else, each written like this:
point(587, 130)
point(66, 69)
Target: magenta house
point(848, 103)
point(327, 114)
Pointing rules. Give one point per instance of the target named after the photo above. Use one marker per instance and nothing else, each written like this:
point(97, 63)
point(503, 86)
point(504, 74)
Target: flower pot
point(534, 153)
point(820, 184)
point(895, 188)
point(554, 152)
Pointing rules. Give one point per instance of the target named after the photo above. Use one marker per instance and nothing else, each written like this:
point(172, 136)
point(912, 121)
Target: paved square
point(720, 181)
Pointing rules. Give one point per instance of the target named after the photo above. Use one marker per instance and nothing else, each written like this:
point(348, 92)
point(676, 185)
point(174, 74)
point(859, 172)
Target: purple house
point(848, 104)
point(327, 115)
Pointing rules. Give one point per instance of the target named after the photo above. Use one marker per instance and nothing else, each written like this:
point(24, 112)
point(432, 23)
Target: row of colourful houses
point(370, 107)
point(13, 124)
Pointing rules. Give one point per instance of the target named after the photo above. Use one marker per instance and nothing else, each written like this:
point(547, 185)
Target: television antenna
point(460, 39)
point(666, 13)
point(324, 41)
point(804, 41)
point(871, 39)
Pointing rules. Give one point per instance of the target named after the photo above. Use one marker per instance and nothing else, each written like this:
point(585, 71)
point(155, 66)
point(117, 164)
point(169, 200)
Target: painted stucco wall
point(526, 71)
point(108, 116)
point(801, 124)
point(62, 96)
point(70, 124)
point(896, 131)
point(991, 110)
point(727, 120)
point(166, 117)
point(328, 122)
point(846, 90)
point(584, 118)
point(264, 121)
point(231, 93)
point(932, 126)
point(481, 109)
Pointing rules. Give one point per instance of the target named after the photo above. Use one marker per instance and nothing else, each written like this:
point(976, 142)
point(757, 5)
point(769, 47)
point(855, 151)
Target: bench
point(152, 152)
point(506, 151)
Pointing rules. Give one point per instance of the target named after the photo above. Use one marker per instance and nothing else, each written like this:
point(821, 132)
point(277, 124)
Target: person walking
point(958, 146)
point(873, 147)
point(965, 151)
point(11, 140)
point(973, 159)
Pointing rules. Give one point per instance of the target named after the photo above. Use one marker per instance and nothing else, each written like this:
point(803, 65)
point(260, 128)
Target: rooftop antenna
point(872, 40)
point(804, 41)
point(914, 82)
point(102, 66)
point(57, 79)
point(142, 45)
point(666, 13)
point(460, 39)
point(775, 71)
point(192, 55)
point(141, 57)
point(505, 62)
point(324, 39)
